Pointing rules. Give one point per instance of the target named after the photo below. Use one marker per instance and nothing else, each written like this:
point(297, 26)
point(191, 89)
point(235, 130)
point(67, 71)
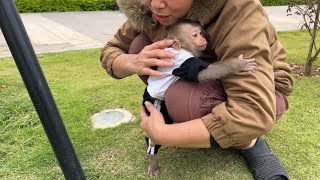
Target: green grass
point(296, 44)
point(81, 88)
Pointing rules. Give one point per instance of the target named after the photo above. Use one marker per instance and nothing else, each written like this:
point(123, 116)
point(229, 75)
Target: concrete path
point(62, 31)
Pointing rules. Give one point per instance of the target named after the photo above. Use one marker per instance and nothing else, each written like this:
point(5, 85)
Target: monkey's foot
point(154, 168)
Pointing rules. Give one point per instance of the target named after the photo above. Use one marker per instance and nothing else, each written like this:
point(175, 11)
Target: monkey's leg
point(153, 168)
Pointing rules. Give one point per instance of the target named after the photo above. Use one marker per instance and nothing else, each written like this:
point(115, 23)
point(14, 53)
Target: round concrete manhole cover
point(111, 118)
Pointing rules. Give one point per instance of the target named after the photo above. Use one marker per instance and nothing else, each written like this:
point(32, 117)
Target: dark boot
point(263, 164)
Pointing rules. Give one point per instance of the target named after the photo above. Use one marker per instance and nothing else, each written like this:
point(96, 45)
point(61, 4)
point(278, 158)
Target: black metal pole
point(36, 84)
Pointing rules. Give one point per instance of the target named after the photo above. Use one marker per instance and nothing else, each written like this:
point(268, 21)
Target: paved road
point(62, 31)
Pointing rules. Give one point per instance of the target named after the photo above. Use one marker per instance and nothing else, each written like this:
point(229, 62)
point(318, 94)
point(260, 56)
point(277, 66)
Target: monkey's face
point(194, 39)
point(198, 39)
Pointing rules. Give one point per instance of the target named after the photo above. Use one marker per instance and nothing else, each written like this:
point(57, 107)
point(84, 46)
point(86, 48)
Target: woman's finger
point(160, 53)
point(150, 107)
point(152, 61)
point(145, 134)
point(143, 113)
point(144, 117)
point(150, 72)
point(159, 45)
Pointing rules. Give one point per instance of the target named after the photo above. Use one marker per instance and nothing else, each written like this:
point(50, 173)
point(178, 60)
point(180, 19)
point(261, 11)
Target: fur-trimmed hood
point(140, 16)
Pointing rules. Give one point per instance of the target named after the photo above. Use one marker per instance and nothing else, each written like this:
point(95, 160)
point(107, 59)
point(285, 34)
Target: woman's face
point(167, 12)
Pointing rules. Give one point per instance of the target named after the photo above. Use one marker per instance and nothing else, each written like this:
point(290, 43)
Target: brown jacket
point(234, 27)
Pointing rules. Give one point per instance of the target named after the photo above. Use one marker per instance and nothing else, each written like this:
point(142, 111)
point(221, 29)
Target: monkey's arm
point(219, 70)
point(215, 71)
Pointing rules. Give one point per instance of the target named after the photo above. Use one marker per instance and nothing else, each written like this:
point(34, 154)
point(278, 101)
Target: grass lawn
point(81, 88)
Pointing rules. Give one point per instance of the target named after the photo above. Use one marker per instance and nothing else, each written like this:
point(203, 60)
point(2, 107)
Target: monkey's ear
point(176, 45)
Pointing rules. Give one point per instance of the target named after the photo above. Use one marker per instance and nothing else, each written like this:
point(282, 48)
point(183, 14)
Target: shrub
point(92, 5)
point(275, 2)
point(64, 5)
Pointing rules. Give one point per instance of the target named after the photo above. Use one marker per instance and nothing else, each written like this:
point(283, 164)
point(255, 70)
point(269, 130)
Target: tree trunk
point(307, 67)
point(310, 59)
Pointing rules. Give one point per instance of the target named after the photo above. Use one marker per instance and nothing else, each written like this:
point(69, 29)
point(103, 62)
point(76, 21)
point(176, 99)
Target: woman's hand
point(150, 56)
point(153, 125)
point(140, 64)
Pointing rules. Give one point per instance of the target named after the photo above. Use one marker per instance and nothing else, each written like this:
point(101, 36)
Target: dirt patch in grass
point(299, 70)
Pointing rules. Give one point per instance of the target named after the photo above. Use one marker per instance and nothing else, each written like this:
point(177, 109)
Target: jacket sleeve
point(118, 45)
point(190, 69)
point(249, 111)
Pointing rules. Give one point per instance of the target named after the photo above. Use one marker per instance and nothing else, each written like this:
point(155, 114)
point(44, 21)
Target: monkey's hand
point(241, 64)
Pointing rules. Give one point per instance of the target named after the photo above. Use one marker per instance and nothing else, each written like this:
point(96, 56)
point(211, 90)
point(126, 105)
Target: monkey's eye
point(195, 35)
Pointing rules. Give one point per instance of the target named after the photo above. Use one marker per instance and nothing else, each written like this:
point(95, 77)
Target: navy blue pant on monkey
point(163, 109)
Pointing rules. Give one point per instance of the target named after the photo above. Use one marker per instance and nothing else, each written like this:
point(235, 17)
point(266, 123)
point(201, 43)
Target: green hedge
point(91, 5)
point(64, 5)
point(275, 2)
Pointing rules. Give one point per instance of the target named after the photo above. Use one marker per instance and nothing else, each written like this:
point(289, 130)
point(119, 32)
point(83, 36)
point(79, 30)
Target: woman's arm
point(188, 134)
point(119, 64)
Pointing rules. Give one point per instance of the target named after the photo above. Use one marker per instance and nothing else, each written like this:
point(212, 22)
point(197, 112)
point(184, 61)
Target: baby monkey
point(189, 35)
point(189, 43)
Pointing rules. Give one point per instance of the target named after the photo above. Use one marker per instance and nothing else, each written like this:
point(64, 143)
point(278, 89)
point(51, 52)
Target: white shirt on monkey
point(157, 86)
point(186, 66)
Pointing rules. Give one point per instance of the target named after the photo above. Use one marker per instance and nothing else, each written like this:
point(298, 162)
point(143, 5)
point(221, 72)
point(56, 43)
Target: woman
point(233, 27)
